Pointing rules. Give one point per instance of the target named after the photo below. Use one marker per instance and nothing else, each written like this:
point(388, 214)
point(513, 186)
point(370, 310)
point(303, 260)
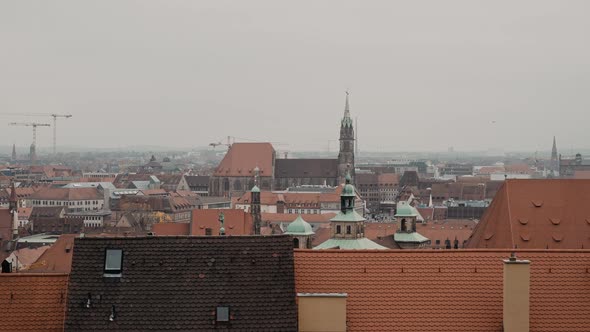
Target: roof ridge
point(445, 251)
point(509, 213)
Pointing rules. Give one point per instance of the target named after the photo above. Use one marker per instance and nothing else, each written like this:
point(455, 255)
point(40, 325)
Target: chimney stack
point(517, 277)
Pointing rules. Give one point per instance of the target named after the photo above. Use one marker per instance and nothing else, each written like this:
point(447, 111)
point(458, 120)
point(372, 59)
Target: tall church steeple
point(346, 152)
point(13, 152)
point(554, 166)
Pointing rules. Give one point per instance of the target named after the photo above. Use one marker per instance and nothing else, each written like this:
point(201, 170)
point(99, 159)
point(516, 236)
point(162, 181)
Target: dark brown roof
point(306, 168)
point(124, 181)
point(410, 179)
point(166, 204)
point(197, 180)
point(47, 212)
point(446, 290)
point(5, 226)
point(170, 179)
point(32, 302)
point(176, 283)
point(536, 214)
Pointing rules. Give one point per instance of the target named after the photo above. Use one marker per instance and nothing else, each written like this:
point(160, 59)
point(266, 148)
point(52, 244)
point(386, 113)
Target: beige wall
point(322, 313)
point(516, 296)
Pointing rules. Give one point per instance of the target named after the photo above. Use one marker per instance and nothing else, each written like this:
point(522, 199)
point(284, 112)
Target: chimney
point(517, 278)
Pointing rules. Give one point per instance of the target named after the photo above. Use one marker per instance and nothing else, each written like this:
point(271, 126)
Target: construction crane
point(216, 144)
point(31, 124)
point(53, 115)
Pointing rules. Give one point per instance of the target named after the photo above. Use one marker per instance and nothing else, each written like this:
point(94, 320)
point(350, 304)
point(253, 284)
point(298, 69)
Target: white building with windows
point(75, 199)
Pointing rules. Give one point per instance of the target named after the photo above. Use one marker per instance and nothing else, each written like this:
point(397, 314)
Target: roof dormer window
point(113, 263)
point(222, 314)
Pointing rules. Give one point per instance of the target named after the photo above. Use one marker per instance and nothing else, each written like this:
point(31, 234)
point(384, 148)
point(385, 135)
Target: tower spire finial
point(347, 105)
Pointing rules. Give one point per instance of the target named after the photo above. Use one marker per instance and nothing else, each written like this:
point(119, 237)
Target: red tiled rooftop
point(446, 290)
point(536, 214)
point(33, 302)
point(242, 158)
point(56, 259)
point(236, 222)
point(171, 228)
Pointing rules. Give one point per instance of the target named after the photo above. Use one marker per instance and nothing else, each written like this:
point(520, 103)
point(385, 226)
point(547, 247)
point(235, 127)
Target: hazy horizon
point(423, 75)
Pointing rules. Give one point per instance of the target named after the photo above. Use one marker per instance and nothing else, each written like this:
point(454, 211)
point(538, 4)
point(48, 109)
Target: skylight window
point(113, 263)
point(222, 314)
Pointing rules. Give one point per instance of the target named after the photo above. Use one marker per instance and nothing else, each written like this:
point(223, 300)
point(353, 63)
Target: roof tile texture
point(536, 214)
point(175, 283)
point(446, 290)
point(33, 302)
point(243, 158)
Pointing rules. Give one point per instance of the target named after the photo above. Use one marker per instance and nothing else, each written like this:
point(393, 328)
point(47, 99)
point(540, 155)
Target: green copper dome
point(255, 189)
point(405, 210)
point(348, 187)
point(299, 227)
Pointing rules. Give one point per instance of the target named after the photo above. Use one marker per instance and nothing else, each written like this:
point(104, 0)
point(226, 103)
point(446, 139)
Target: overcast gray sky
point(423, 75)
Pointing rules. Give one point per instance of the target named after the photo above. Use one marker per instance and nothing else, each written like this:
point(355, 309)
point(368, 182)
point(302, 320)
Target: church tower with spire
point(554, 159)
point(346, 153)
point(13, 152)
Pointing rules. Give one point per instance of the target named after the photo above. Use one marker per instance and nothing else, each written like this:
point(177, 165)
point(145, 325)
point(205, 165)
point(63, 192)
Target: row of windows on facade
point(113, 267)
point(303, 211)
point(385, 186)
point(182, 216)
point(65, 203)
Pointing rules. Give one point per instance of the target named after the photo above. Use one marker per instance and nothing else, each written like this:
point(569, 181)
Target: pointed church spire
point(347, 105)
point(554, 150)
point(347, 120)
point(13, 152)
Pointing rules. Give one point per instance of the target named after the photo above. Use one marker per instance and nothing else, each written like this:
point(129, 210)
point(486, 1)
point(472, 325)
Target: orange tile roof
point(446, 290)
point(242, 158)
point(536, 214)
point(392, 178)
point(56, 259)
point(33, 302)
point(266, 198)
point(236, 221)
point(24, 257)
point(24, 212)
point(448, 230)
point(171, 228)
